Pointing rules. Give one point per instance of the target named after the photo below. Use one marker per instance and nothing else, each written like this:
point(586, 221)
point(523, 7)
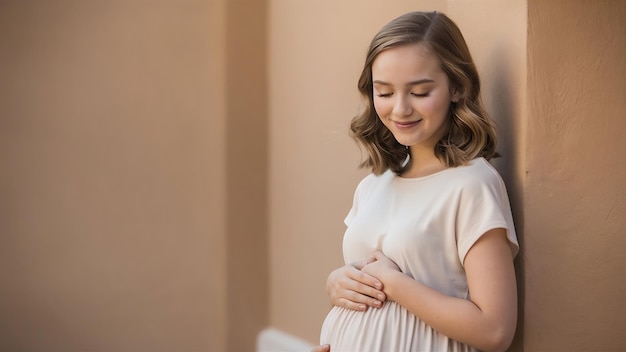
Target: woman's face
point(412, 95)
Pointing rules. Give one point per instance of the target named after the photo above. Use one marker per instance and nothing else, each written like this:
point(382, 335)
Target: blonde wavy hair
point(471, 132)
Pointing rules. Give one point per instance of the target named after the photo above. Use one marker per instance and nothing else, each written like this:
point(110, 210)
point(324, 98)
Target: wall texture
point(175, 175)
point(575, 195)
point(216, 161)
point(111, 205)
point(246, 168)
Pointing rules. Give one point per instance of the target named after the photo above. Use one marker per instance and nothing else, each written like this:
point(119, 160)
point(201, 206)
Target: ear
point(455, 96)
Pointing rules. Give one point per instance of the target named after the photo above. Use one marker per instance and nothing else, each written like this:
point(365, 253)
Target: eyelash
point(387, 95)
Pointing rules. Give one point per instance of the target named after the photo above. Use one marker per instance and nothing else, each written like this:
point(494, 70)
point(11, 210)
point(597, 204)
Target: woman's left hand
point(380, 267)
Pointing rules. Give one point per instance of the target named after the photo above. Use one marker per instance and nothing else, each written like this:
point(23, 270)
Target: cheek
point(381, 107)
point(434, 107)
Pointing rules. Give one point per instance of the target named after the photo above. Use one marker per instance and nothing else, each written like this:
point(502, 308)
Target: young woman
point(430, 239)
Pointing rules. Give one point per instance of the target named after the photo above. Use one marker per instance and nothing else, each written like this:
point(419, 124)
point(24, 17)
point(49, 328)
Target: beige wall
point(175, 176)
point(575, 256)
point(111, 191)
point(215, 213)
point(246, 172)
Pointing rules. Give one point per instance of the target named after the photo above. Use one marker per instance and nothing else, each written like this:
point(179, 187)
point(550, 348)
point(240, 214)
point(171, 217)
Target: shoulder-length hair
point(471, 132)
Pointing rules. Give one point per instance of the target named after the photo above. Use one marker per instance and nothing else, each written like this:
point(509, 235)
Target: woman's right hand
point(351, 288)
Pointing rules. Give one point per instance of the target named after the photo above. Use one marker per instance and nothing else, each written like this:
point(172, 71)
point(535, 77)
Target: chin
point(406, 142)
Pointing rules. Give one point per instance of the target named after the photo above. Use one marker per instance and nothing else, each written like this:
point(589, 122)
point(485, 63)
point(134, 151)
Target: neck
point(423, 162)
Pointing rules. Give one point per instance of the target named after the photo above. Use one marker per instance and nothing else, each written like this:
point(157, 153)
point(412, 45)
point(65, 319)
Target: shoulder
point(477, 179)
point(478, 172)
point(373, 182)
point(480, 184)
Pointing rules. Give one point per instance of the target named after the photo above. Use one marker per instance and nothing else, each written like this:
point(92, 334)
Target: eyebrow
point(412, 83)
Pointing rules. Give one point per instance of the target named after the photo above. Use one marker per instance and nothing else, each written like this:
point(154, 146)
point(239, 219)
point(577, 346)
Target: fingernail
point(381, 297)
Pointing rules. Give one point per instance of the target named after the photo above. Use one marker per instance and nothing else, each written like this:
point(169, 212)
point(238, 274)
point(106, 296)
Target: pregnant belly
point(389, 328)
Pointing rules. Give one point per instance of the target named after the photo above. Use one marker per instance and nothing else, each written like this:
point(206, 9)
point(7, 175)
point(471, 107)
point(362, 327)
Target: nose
point(402, 106)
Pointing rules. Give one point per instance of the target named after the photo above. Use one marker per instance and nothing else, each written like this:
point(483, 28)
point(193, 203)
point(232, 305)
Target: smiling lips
point(406, 124)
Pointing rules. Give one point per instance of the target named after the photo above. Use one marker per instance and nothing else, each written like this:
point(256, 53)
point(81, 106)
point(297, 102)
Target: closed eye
point(383, 95)
point(422, 95)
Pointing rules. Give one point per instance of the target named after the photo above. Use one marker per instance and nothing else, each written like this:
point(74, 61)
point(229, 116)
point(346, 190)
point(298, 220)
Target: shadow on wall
point(502, 110)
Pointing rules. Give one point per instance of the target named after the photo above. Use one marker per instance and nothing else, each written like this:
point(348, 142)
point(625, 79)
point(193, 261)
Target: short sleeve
point(483, 206)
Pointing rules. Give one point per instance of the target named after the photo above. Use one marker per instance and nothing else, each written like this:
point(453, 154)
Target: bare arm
point(351, 288)
point(488, 320)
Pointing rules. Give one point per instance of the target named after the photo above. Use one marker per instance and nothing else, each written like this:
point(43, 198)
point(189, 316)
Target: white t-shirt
point(426, 225)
